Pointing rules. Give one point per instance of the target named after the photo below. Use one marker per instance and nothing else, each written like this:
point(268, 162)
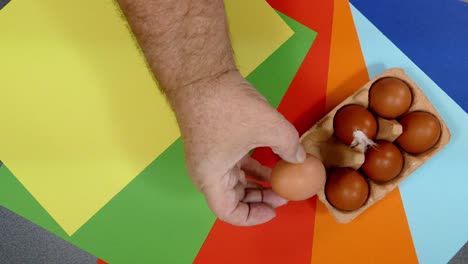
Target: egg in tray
point(362, 149)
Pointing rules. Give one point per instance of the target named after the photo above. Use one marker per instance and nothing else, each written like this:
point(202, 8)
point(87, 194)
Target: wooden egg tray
point(321, 142)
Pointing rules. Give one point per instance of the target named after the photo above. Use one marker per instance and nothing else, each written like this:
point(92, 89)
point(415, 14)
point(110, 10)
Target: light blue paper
point(435, 196)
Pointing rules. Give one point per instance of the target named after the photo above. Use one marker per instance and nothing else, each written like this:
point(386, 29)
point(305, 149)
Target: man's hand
point(221, 120)
point(221, 116)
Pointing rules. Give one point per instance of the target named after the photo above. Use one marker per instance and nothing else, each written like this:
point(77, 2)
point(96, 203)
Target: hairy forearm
point(184, 41)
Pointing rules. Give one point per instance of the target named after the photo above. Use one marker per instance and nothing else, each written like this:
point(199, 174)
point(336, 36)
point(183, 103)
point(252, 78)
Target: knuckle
point(230, 217)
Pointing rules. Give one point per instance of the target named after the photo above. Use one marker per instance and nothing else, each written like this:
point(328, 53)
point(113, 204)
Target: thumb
point(285, 143)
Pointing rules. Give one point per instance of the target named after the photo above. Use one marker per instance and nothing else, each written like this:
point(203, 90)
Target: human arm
point(220, 115)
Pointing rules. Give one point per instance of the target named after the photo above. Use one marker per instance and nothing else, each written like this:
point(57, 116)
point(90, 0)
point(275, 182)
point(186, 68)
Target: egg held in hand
point(346, 189)
point(383, 162)
point(296, 182)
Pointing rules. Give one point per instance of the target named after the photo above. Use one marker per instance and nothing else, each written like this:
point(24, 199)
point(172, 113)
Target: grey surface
point(461, 257)
point(3, 3)
point(22, 242)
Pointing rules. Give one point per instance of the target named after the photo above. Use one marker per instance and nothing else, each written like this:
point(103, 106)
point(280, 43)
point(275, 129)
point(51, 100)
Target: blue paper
point(435, 196)
point(434, 34)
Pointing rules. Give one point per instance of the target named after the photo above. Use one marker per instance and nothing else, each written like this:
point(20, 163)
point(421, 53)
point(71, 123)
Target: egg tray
point(320, 141)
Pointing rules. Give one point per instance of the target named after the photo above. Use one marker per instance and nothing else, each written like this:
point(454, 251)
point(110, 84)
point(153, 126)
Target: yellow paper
point(80, 114)
point(256, 32)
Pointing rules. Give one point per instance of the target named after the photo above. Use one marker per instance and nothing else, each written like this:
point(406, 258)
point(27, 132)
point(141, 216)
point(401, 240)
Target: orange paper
point(381, 234)
point(347, 71)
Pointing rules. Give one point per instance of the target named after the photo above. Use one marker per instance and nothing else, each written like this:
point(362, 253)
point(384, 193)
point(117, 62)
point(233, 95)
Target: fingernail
point(300, 155)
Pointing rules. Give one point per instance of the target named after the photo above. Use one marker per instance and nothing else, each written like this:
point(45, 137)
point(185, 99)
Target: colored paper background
point(288, 238)
point(435, 195)
point(81, 113)
point(382, 228)
point(432, 34)
point(160, 219)
point(155, 210)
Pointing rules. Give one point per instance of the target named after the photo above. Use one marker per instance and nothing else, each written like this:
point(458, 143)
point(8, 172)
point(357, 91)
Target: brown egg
point(346, 189)
point(390, 97)
point(297, 182)
point(353, 117)
point(384, 162)
point(421, 131)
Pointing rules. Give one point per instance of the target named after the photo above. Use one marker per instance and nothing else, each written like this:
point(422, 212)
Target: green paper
point(273, 77)
point(16, 198)
point(160, 217)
